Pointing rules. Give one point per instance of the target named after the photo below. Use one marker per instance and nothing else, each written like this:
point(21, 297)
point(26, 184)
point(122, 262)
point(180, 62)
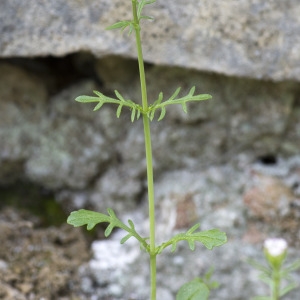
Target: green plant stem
point(276, 284)
point(148, 150)
point(151, 205)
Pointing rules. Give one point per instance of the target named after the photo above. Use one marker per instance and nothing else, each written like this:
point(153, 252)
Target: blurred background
point(232, 162)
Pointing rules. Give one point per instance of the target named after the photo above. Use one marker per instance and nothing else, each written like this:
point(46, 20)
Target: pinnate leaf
point(288, 289)
point(91, 218)
point(86, 217)
point(121, 24)
point(294, 266)
point(159, 104)
point(136, 109)
point(193, 290)
point(141, 5)
point(209, 238)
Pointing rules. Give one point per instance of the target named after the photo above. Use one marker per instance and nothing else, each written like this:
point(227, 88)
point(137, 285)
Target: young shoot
point(210, 238)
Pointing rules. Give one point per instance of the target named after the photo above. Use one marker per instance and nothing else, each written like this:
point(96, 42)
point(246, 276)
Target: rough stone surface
point(62, 145)
point(36, 262)
point(245, 38)
point(232, 163)
point(22, 104)
point(217, 194)
point(66, 141)
point(43, 141)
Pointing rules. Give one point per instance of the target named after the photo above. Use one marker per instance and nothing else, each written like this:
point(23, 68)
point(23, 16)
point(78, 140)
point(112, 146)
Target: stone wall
point(233, 162)
point(243, 38)
point(53, 141)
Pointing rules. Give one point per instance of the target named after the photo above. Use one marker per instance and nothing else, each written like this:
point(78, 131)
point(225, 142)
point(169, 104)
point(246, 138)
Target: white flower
point(275, 246)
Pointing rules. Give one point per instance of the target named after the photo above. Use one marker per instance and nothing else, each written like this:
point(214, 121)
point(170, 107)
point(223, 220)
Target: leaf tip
point(78, 99)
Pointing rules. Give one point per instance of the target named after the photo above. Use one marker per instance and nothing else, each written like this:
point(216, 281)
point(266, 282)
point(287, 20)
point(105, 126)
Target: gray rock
point(217, 195)
point(70, 152)
point(204, 168)
point(63, 145)
point(23, 99)
point(116, 189)
point(244, 38)
point(249, 116)
point(203, 161)
point(51, 144)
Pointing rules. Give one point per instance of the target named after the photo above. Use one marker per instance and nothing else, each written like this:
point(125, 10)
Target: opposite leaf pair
point(209, 238)
point(137, 110)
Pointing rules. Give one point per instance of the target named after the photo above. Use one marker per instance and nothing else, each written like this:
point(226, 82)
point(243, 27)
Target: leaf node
point(91, 219)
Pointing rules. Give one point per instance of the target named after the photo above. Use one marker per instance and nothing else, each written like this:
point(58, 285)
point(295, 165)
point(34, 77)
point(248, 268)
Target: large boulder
point(244, 38)
point(50, 143)
point(58, 143)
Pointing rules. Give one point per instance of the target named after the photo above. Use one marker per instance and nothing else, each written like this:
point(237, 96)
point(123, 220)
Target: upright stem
point(276, 284)
point(151, 205)
point(148, 149)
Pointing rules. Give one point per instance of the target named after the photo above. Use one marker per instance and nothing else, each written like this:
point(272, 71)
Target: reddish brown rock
point(268, 198)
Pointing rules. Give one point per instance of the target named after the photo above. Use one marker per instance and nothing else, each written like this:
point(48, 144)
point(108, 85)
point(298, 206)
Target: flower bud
point(275, 250)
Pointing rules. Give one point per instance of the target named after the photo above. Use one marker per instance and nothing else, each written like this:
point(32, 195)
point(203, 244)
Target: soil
point(39, 262)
